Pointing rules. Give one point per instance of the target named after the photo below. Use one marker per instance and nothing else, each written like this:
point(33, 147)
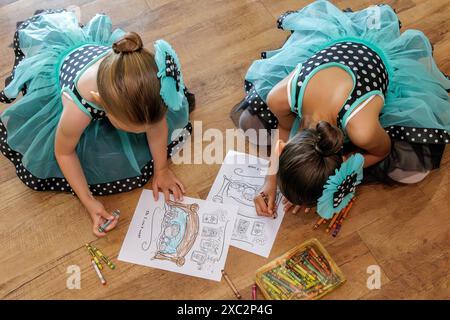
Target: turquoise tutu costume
point(52, 50)
point(416, 113)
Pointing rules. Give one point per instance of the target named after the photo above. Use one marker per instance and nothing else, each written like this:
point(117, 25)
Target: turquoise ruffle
point(416, 96)
point(106, 153)
point(171, 92)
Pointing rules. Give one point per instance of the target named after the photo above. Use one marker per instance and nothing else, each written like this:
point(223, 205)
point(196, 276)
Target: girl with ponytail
point(346, 96)
point(100, 113)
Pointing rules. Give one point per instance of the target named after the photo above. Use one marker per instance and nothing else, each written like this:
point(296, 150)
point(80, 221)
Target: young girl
point(99, 115)
point(347, 79)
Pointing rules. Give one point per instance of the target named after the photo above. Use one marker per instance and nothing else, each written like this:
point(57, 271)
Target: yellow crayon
point(94, 257)
point(270, 285)
point(291, 282)
point(303, 272)
point(103, 257)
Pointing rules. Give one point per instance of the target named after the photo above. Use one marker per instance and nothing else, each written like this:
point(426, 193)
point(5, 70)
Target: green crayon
point(116, 214)
point(99, 254)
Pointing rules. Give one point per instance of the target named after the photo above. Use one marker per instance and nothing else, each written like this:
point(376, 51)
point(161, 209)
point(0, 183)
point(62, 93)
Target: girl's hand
point(99, 216)
point(265, 200)
point(166, 180)
point(288, 206)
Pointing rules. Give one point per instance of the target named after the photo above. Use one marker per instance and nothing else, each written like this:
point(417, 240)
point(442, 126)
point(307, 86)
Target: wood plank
point(403, 229)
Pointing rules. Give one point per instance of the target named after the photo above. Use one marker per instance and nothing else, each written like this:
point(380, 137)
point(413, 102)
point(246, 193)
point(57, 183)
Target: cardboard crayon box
point(305, 272)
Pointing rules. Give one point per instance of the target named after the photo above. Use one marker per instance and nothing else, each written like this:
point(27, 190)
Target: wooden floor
point(405, 230)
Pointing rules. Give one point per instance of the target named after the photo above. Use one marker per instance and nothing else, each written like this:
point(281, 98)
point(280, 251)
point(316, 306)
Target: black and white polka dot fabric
point(371, 78)
point(419, 135)
point(257, 106)
point(172, 70)
point(366, 65)
point(72, 65)
point(347, 186)
point(282, 17)
point(61, 184)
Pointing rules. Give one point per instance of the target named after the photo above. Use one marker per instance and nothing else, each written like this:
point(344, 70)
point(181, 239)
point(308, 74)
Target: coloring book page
point(239, 180)
point(190, 237)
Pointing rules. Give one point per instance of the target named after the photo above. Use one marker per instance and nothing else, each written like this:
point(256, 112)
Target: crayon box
point(305, 272)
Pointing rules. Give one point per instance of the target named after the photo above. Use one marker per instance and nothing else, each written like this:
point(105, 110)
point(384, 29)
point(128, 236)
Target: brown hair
point(128, 84)
point(307, 161)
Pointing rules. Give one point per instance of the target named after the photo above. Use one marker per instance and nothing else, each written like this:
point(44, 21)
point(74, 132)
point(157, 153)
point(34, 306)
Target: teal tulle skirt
point(113, 160)
point(417, 97)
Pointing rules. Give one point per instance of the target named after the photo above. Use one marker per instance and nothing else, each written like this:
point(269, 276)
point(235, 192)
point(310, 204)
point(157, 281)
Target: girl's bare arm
point(277, 101)
point(70, 128)
point(366, 132)
point(163, 178)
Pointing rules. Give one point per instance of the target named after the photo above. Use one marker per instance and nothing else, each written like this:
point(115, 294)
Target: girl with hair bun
point(364, 96)
point(99, 113)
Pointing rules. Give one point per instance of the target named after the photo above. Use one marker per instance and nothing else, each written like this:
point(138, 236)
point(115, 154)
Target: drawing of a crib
point(241, 191)
point(179, 230)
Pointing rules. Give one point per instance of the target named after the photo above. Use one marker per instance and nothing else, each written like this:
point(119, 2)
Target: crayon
point(99, 254)
point(289, 277)
point(254, 290)
point(282, 281)
point(297, 280)
point(296, 263)
point(297, 274)
point(271, 285)
point(344, 214)
point(273, 290)
point(317, 272)
point(99, 274)
point(306, 281)
point(292, 275)
point(339, 218)
point(336, 230)
point(318, 223)
point(116, 214)
point(231, 285)
point(266, 201)
point(311, 278)
point(295, 267)
point(316, 266)
point(278, 283)
point(348, 208)
point(333, 221)
point(94, 257)
point(319, 260)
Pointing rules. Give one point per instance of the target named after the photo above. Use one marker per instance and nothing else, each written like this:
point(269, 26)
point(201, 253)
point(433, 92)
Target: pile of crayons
point(335, 223)
point(96, 257)
point(305, 275)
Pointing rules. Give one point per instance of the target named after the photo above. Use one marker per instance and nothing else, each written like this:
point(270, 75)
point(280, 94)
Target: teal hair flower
point(169, 73)
point(340, 188)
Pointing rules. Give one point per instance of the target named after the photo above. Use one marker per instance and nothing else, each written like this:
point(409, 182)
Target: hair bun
point(130, 42)
point(329, 139)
